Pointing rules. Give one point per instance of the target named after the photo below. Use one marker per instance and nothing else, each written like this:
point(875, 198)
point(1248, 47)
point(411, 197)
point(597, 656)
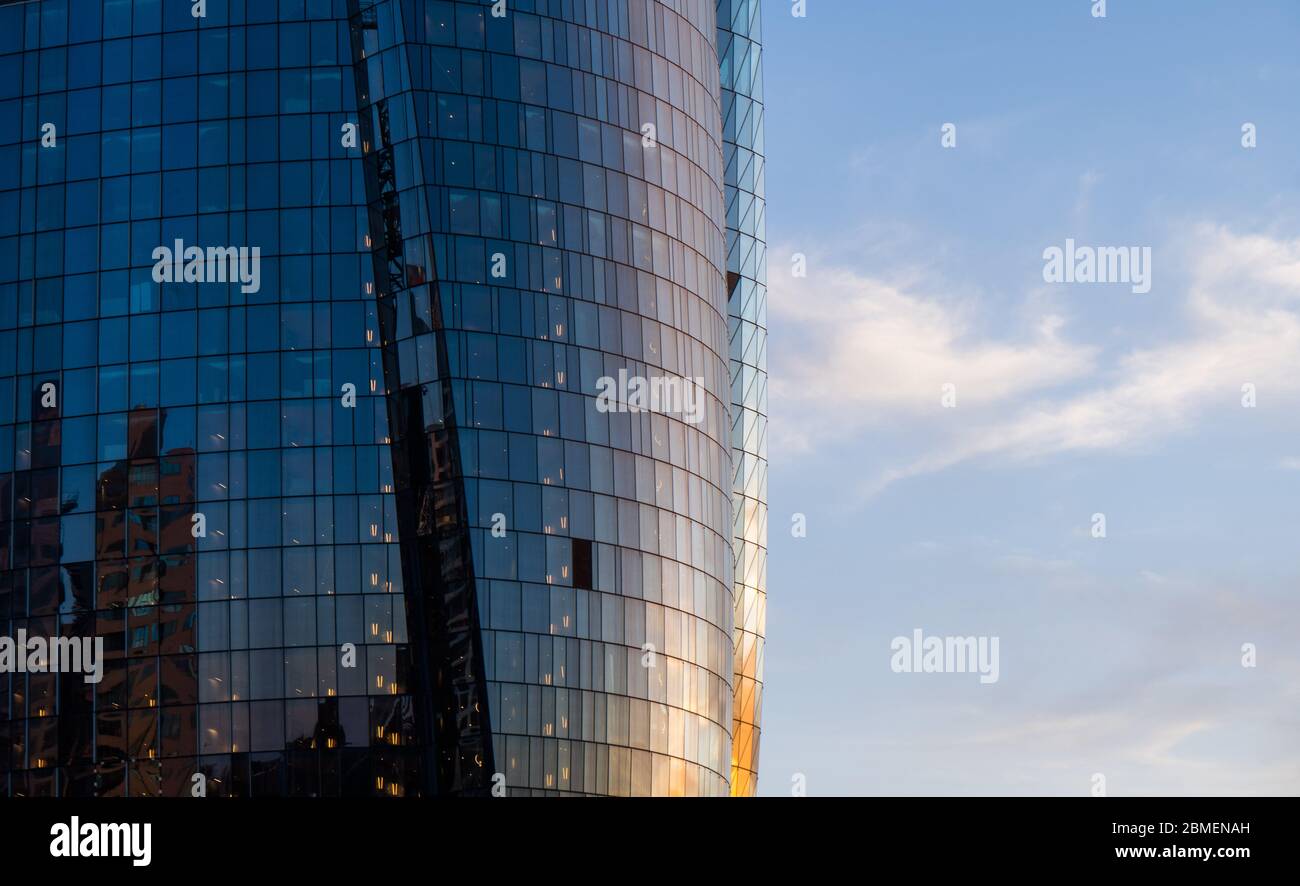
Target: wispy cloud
point(871, 351)
point(1087, 184)
point(885, 351)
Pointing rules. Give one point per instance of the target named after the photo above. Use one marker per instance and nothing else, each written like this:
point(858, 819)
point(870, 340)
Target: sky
point(1119, 656)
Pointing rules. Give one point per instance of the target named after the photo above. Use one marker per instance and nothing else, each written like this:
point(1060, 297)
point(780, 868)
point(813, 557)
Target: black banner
point(331, 836)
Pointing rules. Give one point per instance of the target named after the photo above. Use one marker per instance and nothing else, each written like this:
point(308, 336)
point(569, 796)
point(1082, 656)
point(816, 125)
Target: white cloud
point(876, 356)
point(1087, 184)
point(872, 351)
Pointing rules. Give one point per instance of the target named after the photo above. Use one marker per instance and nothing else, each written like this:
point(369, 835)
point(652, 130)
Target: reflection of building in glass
point(184, 399)
point(529, 204)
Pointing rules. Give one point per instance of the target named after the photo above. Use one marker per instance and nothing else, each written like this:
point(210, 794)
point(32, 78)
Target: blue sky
point(1120, 655)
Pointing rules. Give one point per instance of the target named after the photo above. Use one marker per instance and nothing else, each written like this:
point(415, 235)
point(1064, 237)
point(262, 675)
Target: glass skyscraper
point(346, 508)
point(741, 54)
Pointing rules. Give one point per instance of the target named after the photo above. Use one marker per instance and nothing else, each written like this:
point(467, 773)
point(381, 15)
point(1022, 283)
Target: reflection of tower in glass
point(225, 649)
point(531, 204)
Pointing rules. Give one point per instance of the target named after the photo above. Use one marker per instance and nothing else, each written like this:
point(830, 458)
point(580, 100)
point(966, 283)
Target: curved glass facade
point(357, 513)
point(223, 651)
point(741, 54)
point(541, 238)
